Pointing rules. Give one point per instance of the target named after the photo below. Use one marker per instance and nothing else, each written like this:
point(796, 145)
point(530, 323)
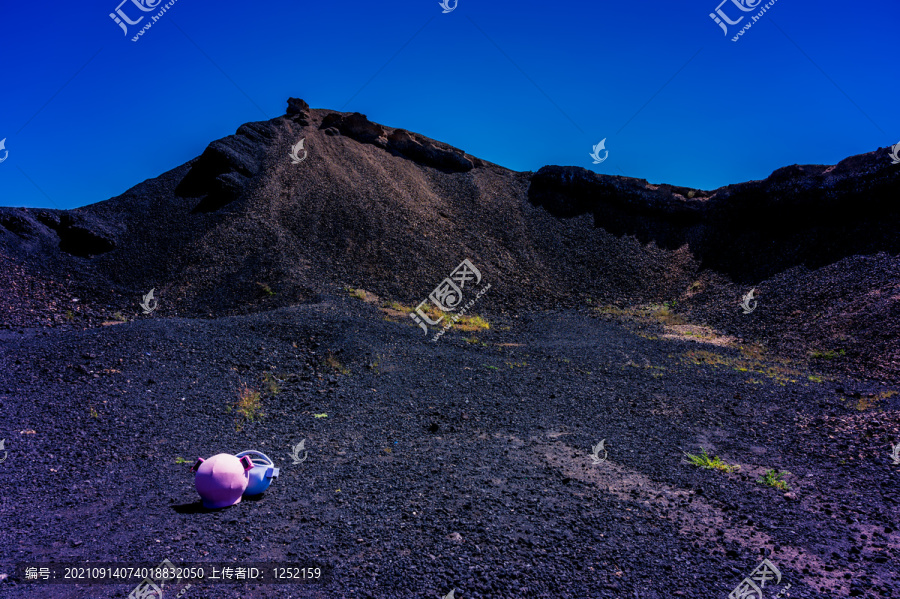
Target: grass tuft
point(249, 404)
point(357, 293)
point(704, 461)
point(774, 479)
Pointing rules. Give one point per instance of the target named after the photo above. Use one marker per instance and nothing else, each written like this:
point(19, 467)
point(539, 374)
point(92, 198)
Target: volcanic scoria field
point(630, 390)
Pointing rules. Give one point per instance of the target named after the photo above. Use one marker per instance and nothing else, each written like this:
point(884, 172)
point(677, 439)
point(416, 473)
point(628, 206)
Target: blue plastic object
point(262, 474)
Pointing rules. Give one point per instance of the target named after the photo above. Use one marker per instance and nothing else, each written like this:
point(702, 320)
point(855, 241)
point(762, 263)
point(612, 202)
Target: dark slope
point(393, 212)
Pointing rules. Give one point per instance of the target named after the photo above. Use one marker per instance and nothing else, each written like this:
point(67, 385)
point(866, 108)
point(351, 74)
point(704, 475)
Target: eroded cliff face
point(800, 215)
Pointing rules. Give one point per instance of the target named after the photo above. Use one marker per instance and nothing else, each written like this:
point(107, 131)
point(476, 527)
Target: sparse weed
point(271, 383)
point(266, 288)
point(333, 362)
point(249, 404)
point(774, 479)
point(864, 403)
point(180, 460)
point(472, 323)
point(664, 314)
point(828, 354)
point(94, 413)
point(357, 293)
point(775, 369)
point(118, 316)
point(704, 461)
point(468, 323)
point(70, 316)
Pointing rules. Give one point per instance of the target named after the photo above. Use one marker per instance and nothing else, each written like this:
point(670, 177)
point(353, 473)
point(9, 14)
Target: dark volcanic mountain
point(612, 321)
point(392, 211)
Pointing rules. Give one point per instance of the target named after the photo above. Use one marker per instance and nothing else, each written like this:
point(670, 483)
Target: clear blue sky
point(87, 113)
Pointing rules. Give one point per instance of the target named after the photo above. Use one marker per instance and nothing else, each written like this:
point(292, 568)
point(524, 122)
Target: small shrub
point(70, 316)
point(267, 289)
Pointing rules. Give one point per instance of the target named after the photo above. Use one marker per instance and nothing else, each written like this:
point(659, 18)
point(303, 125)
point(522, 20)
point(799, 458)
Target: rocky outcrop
point(398, 141)
point(811, 215)
point(221, 174)
point(77, 234)
point(298, 111)
point(424, 151)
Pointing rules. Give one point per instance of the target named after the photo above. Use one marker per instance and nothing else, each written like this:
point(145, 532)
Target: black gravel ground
point(463, 464)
